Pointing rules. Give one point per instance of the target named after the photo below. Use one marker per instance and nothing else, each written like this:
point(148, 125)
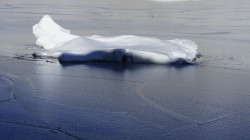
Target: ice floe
point(59, 43)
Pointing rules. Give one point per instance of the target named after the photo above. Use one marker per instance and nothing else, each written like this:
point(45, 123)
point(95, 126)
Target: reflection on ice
point(59, 43)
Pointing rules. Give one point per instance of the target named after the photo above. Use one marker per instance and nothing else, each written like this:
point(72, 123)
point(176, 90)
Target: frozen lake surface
point(42, 99)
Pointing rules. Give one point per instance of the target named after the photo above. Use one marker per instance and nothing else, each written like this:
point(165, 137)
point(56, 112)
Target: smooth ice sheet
point(173, 0)
point(60, 44)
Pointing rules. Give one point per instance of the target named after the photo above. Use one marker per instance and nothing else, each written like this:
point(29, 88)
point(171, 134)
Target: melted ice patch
point(60, 44)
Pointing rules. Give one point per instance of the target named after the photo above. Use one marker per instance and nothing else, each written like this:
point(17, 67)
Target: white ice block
point(125, 48)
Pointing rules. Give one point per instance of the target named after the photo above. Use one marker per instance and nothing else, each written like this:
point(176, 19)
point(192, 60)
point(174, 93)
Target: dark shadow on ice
point(116, 67)
point(122, 67)
point(127, 65)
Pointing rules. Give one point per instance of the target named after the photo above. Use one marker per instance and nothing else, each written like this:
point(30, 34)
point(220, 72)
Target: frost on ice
point(59, 43)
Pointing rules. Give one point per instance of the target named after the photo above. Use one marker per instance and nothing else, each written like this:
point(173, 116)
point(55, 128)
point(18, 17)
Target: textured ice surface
point(125, 48)
point(6, 88)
